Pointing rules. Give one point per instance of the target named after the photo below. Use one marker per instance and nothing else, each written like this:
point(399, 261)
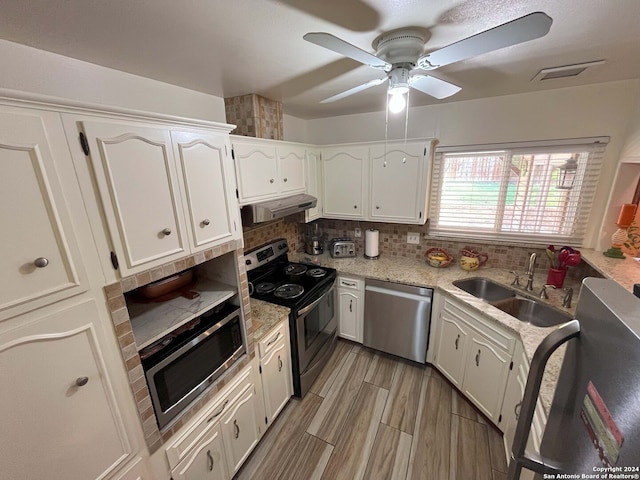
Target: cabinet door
point(291, 168)
point(41, 262)
point(256, 171)
point(314, 184)
point(136, 176)
point(205, 172)
point(485, 376)
point(349, 307)
point(344, 172)
point(240, 429)
point(276, 379)
point(58, 409)
point(512, 397)
point(398, 186)
point(206, 461)
point(452, 345)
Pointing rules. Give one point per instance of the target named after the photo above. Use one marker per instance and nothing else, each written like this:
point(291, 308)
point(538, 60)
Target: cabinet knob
point(205, 222)
point(271, 180)
point(377, 207)
point(82, 381)
point(166, 231)
point(355, 206)
point(285, 180)
point(41, 262)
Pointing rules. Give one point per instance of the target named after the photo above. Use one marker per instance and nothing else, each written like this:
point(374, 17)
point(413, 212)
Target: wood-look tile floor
point(374, 416)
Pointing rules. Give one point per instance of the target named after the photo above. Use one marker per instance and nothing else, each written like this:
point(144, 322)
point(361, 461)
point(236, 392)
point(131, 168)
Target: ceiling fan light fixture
point(399, 81)
point(397, 102)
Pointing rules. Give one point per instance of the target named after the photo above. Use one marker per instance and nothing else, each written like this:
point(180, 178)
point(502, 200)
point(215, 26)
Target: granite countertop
point(626, 271)
point(265, 316)
point(414, 272)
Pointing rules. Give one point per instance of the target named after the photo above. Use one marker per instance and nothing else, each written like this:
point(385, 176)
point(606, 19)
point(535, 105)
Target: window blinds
point(510, 192)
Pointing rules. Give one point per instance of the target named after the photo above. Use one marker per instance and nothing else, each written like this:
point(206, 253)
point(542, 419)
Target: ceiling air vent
point(564, 71)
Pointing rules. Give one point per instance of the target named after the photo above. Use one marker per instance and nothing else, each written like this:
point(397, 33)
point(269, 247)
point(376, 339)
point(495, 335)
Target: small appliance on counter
point(313, 241)
point(342, 248)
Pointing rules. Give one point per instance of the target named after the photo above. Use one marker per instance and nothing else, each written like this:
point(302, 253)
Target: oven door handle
point(308, 308)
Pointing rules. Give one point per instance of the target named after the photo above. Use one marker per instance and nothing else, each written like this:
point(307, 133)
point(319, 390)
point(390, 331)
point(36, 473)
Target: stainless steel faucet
point(543, 292)
point(568, 295)
point(530, 270)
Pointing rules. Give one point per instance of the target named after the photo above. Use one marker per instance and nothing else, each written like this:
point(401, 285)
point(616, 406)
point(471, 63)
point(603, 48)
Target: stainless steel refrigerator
point(594, 422)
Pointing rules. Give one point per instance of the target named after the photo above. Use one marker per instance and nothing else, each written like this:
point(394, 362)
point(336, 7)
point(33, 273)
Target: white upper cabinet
point(42, 263)
point(138, 186)
point(314, 183)
point(344, 174)
point(207, 180)
point(267, 169)
point(399, 177)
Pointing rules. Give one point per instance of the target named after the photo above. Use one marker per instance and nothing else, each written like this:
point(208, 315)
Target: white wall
point(36, 71)
point(593, 110)
point(295, 129)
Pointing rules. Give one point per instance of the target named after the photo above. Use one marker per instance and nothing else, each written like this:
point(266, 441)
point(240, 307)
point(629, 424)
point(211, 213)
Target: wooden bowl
point(438, 257)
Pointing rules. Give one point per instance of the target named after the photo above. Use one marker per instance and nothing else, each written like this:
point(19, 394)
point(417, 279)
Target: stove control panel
point(265, 253)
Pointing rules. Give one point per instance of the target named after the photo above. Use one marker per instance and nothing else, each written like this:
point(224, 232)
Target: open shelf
point(153, 320)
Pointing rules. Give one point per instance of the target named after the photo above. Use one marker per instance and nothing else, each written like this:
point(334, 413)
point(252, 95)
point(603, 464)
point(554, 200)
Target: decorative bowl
point(438, 257)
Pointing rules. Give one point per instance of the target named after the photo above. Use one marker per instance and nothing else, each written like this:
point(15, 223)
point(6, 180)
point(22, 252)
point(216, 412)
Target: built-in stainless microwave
point(192, 360)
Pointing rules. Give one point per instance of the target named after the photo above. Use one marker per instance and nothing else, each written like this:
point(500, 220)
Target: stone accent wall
point(255, 116)
point(289, 227)
point(393, 242)
point(120, 317)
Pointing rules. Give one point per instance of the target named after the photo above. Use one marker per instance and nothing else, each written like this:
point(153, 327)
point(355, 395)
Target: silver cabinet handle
point(166, 231)
point(209, 461)
point(236, 428)
point(271, 180)
point(478, 359)
point(279, 364)
point(219, 412)
point(516, 410)
point(41, 262)
point(351, 305)
point(206, 222)
point(348, 284)
point(275, 339)
point(82, 381)
point(457, 341)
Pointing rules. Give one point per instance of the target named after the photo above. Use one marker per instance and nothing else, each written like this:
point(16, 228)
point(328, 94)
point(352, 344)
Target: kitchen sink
point(530, 311)
point(484, 289)
point(507, 300)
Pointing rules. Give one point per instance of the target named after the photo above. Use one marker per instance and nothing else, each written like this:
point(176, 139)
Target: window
point(528, 192)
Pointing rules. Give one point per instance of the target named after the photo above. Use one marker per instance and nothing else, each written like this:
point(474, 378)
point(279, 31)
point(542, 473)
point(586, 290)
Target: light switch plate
point(357, 233)
point(413, 238)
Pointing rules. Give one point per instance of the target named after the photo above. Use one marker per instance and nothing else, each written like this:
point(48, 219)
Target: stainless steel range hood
point(273, 209)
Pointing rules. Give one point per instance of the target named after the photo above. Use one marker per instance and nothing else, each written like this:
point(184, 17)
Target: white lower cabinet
point(59, 409)
point(275, 368)
point(475, 355)
point(240, 429)
point(214, 445)
point(206, 460)
point(351, 308)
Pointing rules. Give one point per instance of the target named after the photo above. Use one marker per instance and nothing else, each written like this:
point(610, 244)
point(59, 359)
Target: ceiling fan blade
point(434, 86)
point(523, 29)
point(338, 45)
point(353, 90)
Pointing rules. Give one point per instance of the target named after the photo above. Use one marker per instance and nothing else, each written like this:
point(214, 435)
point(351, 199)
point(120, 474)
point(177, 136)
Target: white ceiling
point(235, 47)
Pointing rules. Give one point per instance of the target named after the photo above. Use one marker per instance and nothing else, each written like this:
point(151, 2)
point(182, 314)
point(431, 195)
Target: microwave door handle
point(310, 307)
point(519, 459)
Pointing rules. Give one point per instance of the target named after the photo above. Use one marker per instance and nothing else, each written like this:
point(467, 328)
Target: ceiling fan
point(399, 54)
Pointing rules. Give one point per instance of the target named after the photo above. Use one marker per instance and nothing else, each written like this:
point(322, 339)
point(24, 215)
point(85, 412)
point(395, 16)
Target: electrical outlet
point(413, 238)
point(357, 233)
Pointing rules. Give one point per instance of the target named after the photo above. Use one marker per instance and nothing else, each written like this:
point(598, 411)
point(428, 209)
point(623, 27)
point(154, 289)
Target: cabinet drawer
point(272, 339)
point(206, 460)
point(350, 283)
point(197, 429)
point(500, 336)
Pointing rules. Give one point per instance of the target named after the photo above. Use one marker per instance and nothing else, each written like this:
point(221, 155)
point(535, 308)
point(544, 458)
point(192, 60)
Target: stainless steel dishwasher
point(397, 319)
